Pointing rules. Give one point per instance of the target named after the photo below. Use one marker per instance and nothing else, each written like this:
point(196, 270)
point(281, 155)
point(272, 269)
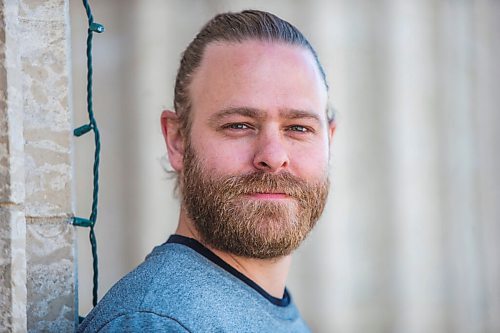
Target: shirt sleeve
point(143, 322)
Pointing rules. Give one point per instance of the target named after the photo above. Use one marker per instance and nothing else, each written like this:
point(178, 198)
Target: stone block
point(11, 158)
point(47, 10)
point(44, 60)
point(48, 173)
point(11, 115)
point(47, 119)
point(51, 275)
point(12, 269)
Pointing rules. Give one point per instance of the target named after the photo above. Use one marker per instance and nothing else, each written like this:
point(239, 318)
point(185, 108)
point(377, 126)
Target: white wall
point(411, 235)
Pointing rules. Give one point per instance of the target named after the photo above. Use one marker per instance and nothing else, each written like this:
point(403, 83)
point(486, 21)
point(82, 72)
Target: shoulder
point(179, 287)
point(173, 283)
point(139, 322)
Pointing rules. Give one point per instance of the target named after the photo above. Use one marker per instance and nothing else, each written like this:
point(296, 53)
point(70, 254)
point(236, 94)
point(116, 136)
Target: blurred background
point(410, 240)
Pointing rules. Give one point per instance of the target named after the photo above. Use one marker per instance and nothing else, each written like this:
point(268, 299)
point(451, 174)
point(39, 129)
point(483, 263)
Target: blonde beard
point(227, 219)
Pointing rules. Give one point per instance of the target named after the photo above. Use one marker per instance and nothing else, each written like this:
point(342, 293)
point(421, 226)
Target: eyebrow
point(299, 114)
point(241, 111)
point(260, 114)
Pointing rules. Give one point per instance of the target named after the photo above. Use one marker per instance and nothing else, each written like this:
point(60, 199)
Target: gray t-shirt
point(184, 287)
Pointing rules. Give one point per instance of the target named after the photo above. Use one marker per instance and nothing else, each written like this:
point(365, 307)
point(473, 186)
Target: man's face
point(254, 176)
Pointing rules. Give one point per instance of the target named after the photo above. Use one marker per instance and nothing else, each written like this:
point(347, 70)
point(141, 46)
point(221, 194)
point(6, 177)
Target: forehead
point(257, 74)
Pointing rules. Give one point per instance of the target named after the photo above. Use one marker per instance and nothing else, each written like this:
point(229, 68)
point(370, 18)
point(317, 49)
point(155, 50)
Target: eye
point(299, 128)
point(237, 126)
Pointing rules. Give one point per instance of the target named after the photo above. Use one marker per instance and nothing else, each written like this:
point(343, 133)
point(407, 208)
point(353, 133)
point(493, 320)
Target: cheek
point(310, 163)
point(223, 156)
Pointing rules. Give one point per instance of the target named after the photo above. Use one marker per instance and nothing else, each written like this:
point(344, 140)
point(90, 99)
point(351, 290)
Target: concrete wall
point(37, 241)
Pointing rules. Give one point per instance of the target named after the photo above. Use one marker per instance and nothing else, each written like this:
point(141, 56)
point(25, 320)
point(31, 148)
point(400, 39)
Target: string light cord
point(91, 126)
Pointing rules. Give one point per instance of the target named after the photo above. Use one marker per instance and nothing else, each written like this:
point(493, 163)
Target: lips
point(263, 185)
point(260, 195)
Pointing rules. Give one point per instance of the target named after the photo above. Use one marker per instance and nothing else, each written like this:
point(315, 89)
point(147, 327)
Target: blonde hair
point(233, 27)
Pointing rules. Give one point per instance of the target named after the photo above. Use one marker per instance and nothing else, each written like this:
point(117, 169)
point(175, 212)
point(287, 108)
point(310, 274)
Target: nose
point(271, 154)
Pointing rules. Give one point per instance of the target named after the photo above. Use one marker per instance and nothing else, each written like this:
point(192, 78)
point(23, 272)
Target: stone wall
point(36, 240)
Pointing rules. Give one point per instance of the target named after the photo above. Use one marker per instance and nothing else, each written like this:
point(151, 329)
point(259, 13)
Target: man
point(249, 141)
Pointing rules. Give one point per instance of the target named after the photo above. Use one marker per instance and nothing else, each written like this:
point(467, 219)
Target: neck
point(269, 274)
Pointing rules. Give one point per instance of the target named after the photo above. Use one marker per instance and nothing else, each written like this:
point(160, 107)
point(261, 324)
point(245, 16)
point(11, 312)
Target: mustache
point(262, 182)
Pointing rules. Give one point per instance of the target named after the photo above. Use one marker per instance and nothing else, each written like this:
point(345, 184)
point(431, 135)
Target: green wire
point(92, 125)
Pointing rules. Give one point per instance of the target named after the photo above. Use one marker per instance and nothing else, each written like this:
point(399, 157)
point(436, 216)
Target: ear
point(170, 126)
point(332, 125)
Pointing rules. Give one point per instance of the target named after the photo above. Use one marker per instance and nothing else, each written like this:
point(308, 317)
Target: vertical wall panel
point(409, 239)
